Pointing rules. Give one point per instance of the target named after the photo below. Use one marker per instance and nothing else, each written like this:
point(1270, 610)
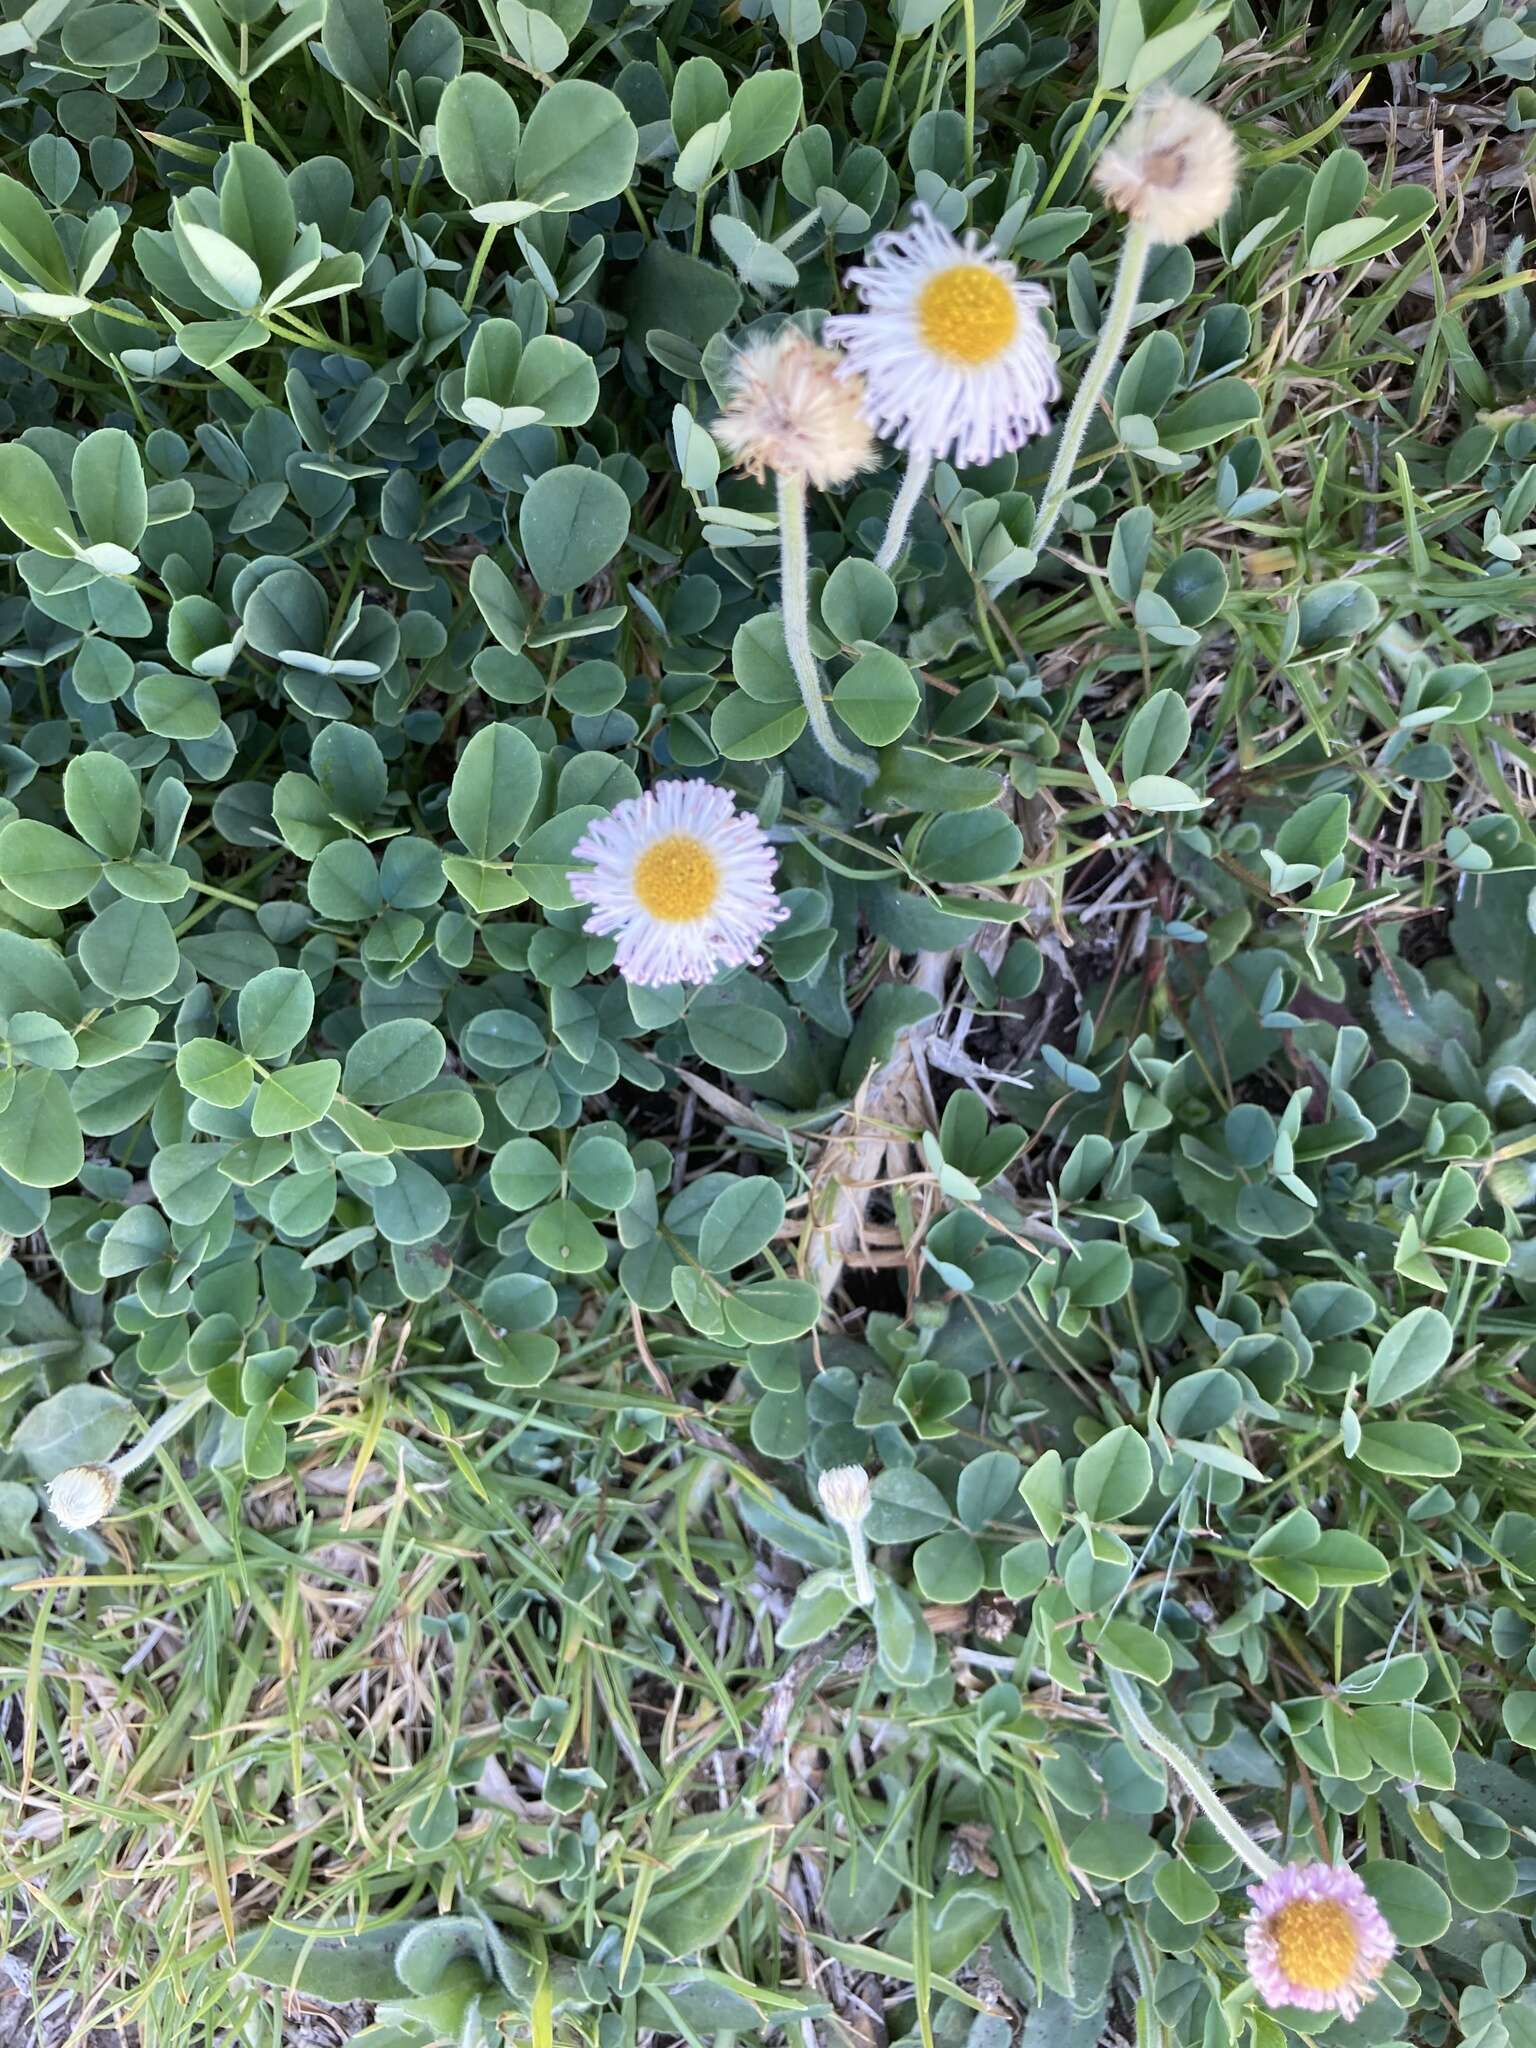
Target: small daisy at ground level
point(950, 346)
point(682, 880)
point(1316, 1939)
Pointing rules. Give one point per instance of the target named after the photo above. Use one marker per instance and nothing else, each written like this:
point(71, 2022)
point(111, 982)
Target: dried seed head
point(790, 412)
point(83, 1496)
point(1172, 168)
point(844, 1491)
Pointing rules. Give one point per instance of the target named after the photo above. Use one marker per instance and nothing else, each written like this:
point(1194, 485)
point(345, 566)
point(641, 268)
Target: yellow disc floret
point(967, 314)
point(677, 879)
point(1317, 1943)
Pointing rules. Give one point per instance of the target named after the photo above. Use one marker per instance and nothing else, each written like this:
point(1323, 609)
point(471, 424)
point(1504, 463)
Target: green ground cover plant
point(868, 1495)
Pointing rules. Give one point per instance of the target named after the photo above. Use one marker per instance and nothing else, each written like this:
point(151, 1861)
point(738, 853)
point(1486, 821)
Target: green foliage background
point(1174, 984)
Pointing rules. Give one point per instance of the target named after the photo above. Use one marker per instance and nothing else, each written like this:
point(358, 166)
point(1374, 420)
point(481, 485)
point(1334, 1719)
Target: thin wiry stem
point(167, 1426)
point(1134, 251)
point(863, 1578)
point(913, 484)
point(795, 577)
point(1204, 1793)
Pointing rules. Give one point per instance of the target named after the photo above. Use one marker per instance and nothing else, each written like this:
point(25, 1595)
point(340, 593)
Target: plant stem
point(464, 469)
point(863, 1578)
point(885, 89)
point(167, 1426)
point(794, 572)
point(913, 484)
point(1079, 134)
point(969, 12)
point(1206, 1797)
point(1134, 251)
point(477, 268)
point(1402, 650)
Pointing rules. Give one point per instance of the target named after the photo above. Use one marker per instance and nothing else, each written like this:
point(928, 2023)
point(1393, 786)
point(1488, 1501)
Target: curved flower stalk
point(84, 1495)
point(1315, 1938)
point(1183, 1765)
point(790, 412)
point(1172, 171)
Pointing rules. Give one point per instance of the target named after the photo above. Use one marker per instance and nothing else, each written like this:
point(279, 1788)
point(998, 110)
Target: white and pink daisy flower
point(682, 880)
point(954, 359)
point(1316, 1939)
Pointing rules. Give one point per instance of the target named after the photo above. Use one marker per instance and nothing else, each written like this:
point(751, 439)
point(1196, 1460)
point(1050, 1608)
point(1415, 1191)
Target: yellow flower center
point(1317, 1943)
point(677, 879)
point(967, 314)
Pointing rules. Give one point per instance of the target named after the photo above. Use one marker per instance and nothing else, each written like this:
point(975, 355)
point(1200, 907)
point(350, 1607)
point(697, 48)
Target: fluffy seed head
point(682, 880)
point(844, 1491)
point(83, 1496)
point(1172, 168)
point(790, 412)
point(1316, 1939)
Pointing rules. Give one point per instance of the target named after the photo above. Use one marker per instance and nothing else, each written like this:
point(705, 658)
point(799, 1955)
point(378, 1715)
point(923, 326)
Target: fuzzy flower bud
point(790, 412)
point(83, 1496)
point(844, 1491)
point(1513, 1182)
point(1172, 169)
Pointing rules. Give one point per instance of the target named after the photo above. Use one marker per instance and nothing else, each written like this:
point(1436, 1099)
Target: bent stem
point(1134, 251)
point(1204, 1793)
point(795, 577)
point(477, 268)
point(167, 1426)
point(913, 484)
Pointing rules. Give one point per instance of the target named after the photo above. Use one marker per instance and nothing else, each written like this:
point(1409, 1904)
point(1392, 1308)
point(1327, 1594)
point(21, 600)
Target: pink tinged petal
point(1314, 1883)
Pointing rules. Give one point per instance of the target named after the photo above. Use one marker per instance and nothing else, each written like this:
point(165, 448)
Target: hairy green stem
point(968, 13)
point(167, 1426)
point(858, 1550)
point(1204, 1793)
point(913, 484)
point(477, 268)
point(1134, 251)
point(795, 579)
point(1406, 654)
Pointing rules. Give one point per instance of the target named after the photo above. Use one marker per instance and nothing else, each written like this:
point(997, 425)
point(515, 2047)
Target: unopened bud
point(83, 1496)
point(844, 1491)
point(1513, 1182)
